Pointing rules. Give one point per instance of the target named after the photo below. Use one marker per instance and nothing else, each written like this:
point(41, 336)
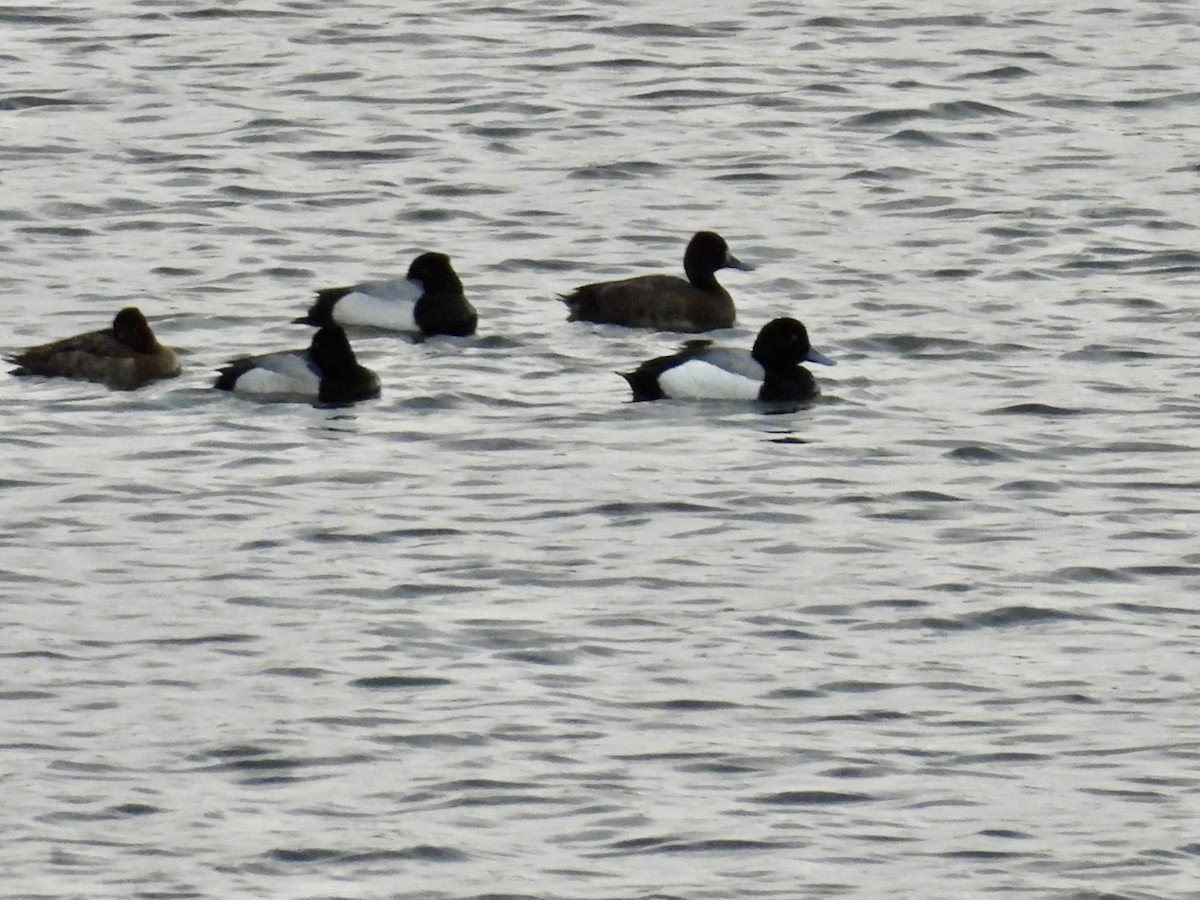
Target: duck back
point(659, 302)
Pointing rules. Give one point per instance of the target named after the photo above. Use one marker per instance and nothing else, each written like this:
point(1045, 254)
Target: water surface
point(503, 632)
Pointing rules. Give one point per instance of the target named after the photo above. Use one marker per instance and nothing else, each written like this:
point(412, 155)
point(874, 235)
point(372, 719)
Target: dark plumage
point(428, 300)
point(665, 302)
point(771, 370)
point(327, 372)
point(125, 356)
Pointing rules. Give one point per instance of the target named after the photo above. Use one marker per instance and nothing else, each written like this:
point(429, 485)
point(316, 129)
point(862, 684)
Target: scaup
point(327, 372)
point(665, 302)
point(125, 356)
point(699, 371)
point(428, 300)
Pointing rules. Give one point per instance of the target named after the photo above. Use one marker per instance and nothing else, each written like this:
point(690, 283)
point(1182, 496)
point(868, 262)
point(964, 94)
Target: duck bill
point(732, 262)
point(816, 356)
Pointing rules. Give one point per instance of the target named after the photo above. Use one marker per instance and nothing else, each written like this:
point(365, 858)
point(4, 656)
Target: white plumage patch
point(281, 374)
point(381, 304)
point(700, 380)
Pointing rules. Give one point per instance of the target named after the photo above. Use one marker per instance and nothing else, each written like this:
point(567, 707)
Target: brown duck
point(665, 302)
point(125, 356)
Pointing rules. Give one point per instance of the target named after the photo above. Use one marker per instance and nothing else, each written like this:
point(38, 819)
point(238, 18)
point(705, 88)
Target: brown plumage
point(665, 302)
point(125, 356)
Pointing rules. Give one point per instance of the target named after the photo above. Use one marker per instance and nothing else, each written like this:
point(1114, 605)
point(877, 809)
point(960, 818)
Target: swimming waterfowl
point(665, 302)
point(701, 371)
point(327, 372)
point(428, 300)
point(125, 356)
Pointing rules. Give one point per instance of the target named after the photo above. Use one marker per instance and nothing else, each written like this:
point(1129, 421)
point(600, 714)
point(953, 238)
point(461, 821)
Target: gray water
point(503, 633)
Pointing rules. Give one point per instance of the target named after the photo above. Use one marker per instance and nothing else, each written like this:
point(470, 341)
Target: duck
point(769, 371)
point(665, 302)
point(327, 372)
point(125, 356)
point(428, 300)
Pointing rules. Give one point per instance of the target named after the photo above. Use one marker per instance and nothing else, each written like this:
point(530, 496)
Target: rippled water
point(502, 633)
